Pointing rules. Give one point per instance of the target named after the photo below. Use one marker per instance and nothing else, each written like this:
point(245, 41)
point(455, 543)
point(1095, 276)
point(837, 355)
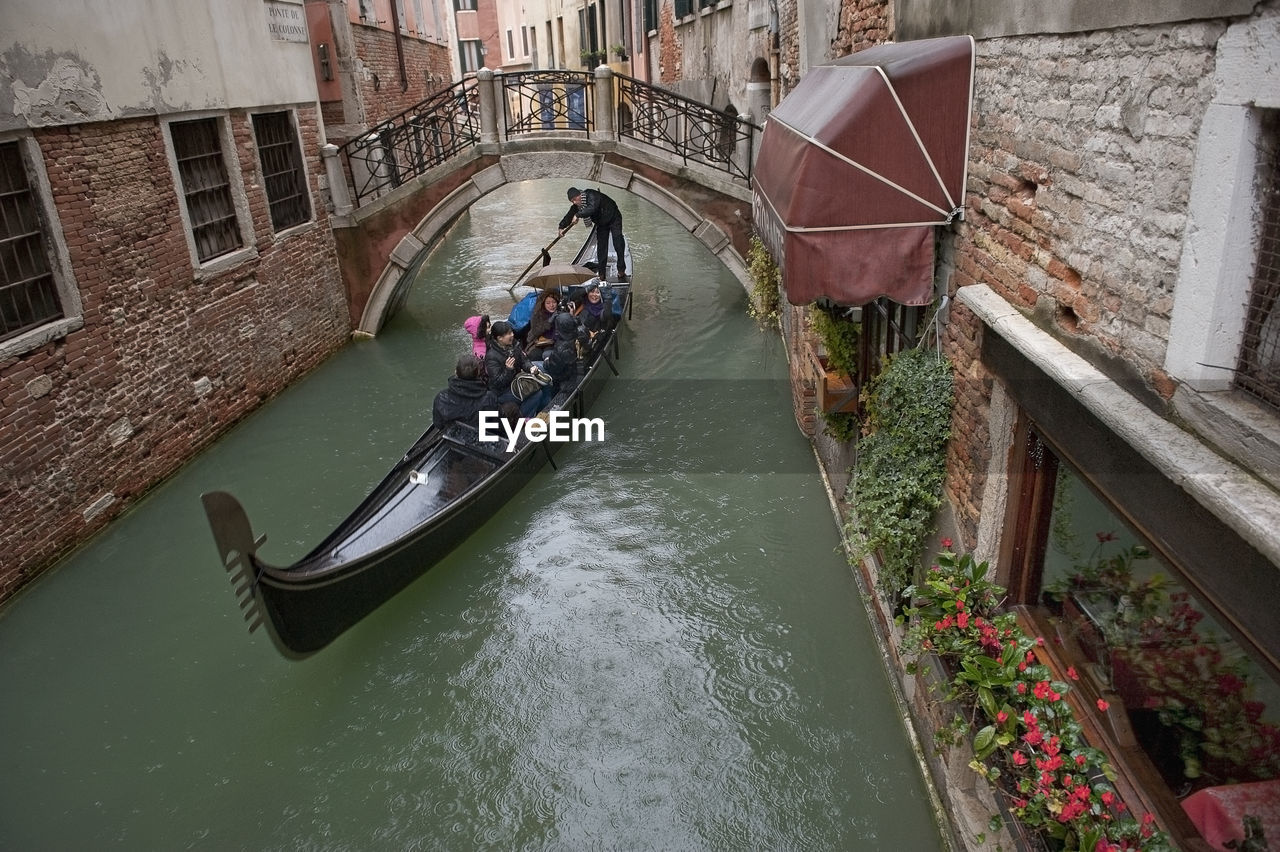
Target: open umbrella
point(559, 275)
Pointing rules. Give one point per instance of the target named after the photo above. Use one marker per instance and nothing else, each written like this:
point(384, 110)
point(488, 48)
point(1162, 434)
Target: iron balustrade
point(536, 101)
point(693, 131)
point(532, 102)
point(418, 139)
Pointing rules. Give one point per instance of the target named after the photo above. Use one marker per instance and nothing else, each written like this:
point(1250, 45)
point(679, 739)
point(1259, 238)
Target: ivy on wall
point(766, 279)
point(896, 485)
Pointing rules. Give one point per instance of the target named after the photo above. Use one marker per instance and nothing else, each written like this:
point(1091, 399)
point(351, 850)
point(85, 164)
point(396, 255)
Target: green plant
point(619, 50)
point(897, 482)
point(843, 426)
point(1026, 740)
point(766, 278)
point(839, 337)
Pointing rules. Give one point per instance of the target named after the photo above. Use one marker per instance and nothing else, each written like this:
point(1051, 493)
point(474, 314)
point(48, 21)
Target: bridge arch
point(380, 244)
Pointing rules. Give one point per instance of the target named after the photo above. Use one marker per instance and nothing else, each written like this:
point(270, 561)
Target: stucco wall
point(67, 62)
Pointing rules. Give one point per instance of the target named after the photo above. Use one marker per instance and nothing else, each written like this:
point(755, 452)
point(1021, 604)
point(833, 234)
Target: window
point(211, 212)
point(282, 174)
point(524, 37)
point(366, 10)
point(1258, 370)
point(464, 5)
point(650, 15)
point(683, 7)
point(469, 55)
point(511, 47)
point(28, 291)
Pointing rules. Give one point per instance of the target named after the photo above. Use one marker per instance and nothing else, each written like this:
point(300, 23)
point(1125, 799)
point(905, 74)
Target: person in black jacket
point(503, 359)
point(561, 362)
point(464, 397)
point(603, 212)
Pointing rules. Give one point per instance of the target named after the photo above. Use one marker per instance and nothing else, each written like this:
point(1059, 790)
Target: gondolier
point(602, 211)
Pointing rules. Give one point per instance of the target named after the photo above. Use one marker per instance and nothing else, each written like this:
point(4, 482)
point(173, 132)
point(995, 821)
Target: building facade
point(167, 257)
point(1108, 301)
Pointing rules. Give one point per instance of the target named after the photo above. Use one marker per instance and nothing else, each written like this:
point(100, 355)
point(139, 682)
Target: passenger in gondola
point(596, 315)
point(464, 397)
point(503, 360)
point(478, 328)
point(542, 325)
point(562, 361)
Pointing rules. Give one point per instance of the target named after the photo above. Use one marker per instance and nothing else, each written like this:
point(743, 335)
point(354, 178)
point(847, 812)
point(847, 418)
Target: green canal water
point(656, 646)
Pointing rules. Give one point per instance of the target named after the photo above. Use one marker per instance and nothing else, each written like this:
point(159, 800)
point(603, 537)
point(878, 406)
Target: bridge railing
point(407, 145)
point(693, 131)
point(497, 107)
point(537, 101)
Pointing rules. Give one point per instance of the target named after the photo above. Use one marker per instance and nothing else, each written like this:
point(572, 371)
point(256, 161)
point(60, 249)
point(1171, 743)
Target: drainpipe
point(395, 29)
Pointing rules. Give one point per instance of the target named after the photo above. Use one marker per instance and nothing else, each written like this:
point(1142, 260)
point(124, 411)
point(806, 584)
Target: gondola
point(443, 489)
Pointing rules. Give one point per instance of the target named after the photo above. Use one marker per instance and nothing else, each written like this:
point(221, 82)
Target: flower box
point(836, 392)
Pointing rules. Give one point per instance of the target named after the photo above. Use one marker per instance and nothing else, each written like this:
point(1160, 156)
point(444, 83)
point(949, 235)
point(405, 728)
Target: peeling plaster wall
point(70, 61)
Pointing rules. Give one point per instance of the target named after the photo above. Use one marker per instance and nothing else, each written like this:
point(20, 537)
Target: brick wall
point(377, 50)
point(166, 360)
point(863, 23)
point(969, 450)
point(670, 47)
point(1079, 176)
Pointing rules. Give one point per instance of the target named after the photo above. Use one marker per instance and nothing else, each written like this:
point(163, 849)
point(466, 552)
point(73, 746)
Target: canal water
point(656, 646)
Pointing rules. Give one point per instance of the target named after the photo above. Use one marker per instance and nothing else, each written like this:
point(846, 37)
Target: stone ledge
point(1236, 497)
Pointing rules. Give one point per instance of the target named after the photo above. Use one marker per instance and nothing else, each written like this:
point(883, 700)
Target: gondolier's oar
point(542, 255)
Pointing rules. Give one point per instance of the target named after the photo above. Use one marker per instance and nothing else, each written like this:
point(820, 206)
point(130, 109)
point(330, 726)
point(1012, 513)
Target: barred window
point(1258, 371)
point(197, 146)
point(281, 162)
point(28, 292)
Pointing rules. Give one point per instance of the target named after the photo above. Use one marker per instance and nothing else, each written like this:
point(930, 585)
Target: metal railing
point(537, 101)
point(693, 131)
point(420, 138)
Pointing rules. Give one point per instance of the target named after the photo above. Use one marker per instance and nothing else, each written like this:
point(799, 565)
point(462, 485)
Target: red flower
point(1102, 705)
point(1107, 797)
point(1019, 758)
point(1042, 690)
point(1022, 688)
point(1001, 717)
point(962, 620)
point(1071, 673)
point(946, 542)
point(959, 605)
point(1080, 761)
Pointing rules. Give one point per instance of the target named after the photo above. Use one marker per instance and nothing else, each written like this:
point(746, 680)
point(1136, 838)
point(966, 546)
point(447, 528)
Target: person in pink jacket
point(478, 328)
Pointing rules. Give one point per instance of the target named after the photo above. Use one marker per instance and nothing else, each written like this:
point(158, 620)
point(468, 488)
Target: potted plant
point(620, 51)
point(835, 365)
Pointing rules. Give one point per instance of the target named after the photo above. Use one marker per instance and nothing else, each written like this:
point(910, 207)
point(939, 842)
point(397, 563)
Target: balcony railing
point(497, 108)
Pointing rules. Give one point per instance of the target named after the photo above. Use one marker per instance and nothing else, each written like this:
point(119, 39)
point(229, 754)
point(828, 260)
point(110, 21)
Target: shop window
point(1192, 708)
point(282, 174)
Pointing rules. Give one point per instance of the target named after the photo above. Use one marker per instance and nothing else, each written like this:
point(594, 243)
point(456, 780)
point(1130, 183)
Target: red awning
point(857, 165)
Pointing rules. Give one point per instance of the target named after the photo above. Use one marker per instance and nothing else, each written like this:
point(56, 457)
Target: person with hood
point(464, 397)
point(502, 361)
point(603, 212)
point(561, 362)
point(596, 315)
point(478, 328)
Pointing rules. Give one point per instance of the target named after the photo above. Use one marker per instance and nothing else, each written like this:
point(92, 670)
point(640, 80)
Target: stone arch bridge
point(398, 187)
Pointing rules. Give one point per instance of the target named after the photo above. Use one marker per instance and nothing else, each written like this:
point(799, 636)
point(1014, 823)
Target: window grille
point(282, 170)
point(212, 213)
point(1258, 370)
point(28, 292)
